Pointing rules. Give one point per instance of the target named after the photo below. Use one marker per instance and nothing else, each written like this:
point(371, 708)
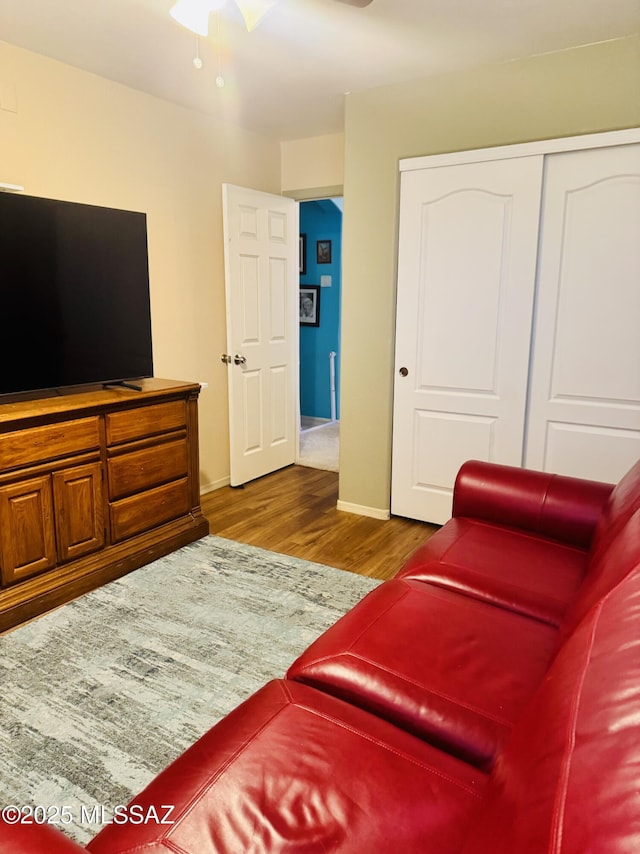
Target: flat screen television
point(74, 295)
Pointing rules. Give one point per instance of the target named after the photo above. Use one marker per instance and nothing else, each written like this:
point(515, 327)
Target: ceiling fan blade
point(254, 10)
point(360, 3)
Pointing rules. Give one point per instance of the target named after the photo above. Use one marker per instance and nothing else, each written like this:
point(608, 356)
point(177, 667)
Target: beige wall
point(79, 137)
point(590, 89)
point(313, 167)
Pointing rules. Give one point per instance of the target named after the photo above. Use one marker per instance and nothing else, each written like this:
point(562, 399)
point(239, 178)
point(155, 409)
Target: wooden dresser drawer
point(36, 444)
point(130, 424)
point(93, 484)
point(148, 509)
point(149, 467)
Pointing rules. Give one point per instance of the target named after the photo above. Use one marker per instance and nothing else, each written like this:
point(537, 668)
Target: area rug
point(100, 695)
point(320, 447)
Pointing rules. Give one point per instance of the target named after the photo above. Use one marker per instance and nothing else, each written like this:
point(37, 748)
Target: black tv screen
point(74, 295)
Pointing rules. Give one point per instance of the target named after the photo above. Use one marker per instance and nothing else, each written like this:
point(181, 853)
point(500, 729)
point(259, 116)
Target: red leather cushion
point(569, 777)
point(613, 561)
point(514, 569)
point(294, 770)
point(551, 505)
point(623, 502)
point(452, 669)
point(35, 839)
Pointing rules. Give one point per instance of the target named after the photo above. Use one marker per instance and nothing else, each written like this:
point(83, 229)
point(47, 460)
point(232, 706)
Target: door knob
point(225, 358)
point(404, 372)
point(239, 360)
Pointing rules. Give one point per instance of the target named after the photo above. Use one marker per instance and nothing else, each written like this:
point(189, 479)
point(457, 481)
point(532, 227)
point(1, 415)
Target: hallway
point(320, 444)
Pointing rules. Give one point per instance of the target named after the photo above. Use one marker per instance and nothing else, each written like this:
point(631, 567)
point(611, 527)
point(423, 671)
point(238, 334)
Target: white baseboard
point(215, 484)
point(361, 510)
point(345, 506)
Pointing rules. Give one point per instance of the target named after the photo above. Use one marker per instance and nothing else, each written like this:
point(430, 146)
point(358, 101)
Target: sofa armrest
point(562, 508)
point(36, 839)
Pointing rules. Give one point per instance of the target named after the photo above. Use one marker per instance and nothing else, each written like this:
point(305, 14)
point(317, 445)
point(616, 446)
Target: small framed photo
point(303, 254)
point(310, 305)
point(323, 251)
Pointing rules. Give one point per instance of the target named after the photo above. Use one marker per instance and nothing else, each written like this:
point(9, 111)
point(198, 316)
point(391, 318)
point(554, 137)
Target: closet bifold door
point(584, 414)
point(466, 278)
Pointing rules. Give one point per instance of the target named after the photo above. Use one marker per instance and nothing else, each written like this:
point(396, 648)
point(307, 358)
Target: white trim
point(361, 510)
point(523, 149)
point(10, 188)
point(215, 484)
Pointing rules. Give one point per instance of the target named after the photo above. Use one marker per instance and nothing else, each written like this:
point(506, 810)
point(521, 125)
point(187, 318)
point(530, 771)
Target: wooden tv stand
point(93, 484)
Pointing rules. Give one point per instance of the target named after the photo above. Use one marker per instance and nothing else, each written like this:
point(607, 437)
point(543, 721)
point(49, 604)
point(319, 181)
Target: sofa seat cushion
point(294, 770)
point(451, 669)
point(517, 570)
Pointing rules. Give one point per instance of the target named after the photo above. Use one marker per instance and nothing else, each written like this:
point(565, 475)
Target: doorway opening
point(320, 301)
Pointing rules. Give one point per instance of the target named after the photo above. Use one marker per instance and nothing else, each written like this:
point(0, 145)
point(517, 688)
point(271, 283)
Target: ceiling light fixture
point(219, 78)
point(197, 60)
point(194, 14)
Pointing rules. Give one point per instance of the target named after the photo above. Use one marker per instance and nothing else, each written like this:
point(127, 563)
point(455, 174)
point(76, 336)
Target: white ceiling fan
point(194, 14)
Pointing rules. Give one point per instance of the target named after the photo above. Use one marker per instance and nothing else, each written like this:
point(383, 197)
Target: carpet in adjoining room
point(320, 447)
point(103, 693)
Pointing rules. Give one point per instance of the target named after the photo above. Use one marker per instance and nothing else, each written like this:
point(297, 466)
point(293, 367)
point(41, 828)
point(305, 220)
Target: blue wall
point(321, 220)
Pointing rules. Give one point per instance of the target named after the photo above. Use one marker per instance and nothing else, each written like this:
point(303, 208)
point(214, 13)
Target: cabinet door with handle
point(27, 536)
point(79, 507)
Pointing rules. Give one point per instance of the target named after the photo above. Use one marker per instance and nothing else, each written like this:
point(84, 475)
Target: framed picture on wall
point(310, 305)
point(323, 251)
point(303, 254)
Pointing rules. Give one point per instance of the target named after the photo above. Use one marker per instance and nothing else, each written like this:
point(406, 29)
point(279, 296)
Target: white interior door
point(261, 279)
point(585, 387)
point(466, 279)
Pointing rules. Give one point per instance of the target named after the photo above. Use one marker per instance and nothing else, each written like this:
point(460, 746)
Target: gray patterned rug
point(100, 695)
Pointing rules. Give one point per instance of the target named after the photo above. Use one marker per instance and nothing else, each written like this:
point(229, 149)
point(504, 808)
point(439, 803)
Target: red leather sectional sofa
point(484, 701)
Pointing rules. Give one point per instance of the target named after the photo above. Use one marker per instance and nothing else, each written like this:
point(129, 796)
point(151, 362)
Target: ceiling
point(288, 78)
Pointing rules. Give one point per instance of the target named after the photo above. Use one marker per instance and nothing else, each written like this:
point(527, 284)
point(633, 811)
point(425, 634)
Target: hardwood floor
point(293, 511)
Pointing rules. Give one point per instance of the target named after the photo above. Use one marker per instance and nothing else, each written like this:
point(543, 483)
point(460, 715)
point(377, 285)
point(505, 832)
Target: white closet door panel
point(466, 276)
point(584, 416)
point(597, 452)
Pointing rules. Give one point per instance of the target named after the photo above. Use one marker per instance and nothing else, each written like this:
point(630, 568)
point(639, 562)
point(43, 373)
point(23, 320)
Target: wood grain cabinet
point(148, 467)
point(50, 519)
point(27, 539)
point(78, 510)
point(92, 485)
